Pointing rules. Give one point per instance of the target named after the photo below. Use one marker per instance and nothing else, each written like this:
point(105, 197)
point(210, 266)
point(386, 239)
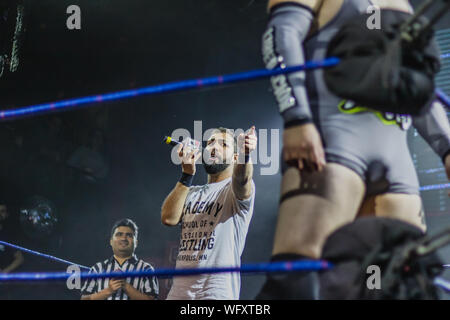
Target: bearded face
point(218, 154)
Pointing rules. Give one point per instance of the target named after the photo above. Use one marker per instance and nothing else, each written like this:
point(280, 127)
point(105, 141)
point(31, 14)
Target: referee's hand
point(115, 284)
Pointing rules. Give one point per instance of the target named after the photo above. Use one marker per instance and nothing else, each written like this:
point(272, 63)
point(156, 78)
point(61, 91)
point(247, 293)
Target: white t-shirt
point(214, 226)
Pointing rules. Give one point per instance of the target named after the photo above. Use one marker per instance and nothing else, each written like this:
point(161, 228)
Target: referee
point(123, 242)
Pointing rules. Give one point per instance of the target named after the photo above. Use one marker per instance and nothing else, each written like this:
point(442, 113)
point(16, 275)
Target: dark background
point(131, 44)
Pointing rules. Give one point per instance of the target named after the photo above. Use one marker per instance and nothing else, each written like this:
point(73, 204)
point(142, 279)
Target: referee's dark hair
point(125, 223)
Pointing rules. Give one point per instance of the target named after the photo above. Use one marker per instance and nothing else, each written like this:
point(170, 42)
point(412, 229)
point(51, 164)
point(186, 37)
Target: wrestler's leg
point(402, 206)
point(312, 206)
point(305, 220)
point(367, 208)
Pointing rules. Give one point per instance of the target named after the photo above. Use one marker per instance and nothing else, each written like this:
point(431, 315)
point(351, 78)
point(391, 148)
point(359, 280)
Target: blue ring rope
point(165, 88)
point(256, 268)
point(249, 269)
point(442, 186)
point(177, 86)
point(158, 89)
point(41, 254)
point(442, 97)
point(442, 283)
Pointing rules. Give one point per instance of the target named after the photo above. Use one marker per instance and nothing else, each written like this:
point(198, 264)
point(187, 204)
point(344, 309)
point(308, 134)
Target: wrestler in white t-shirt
point(214, 217)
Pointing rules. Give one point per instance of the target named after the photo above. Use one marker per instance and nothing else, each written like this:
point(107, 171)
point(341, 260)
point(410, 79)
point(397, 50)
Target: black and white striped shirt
point(146, 285)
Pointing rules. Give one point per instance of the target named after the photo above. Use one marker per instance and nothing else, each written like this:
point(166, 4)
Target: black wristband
point(186, 179)
point(296, 122)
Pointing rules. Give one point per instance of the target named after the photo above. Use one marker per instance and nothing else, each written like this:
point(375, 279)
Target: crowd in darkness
point(47, 155)
point(60, 157)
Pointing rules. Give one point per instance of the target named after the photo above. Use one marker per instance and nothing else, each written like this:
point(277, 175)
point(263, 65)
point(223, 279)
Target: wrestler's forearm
point(243, 172)
point(242, 180)
point(282, 45)
point(172, 208)
point(434, 127)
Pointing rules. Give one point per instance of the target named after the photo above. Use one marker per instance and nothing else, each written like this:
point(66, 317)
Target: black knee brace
point(303, 285)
